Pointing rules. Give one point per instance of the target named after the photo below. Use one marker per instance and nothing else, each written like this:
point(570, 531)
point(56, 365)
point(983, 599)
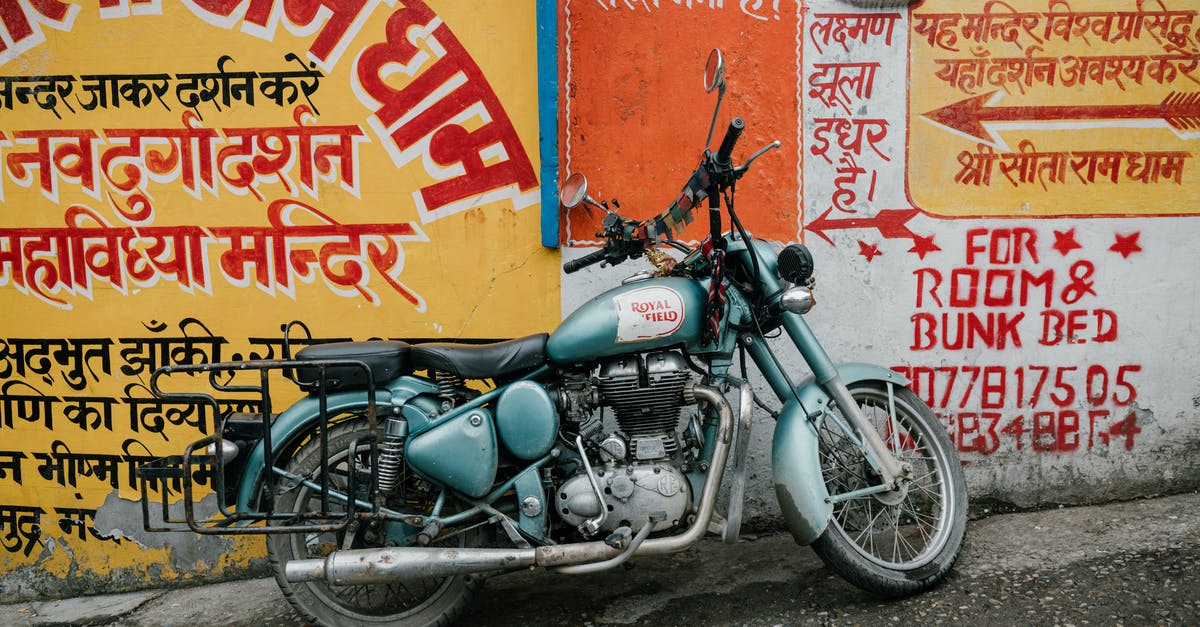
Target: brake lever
point(741, 169)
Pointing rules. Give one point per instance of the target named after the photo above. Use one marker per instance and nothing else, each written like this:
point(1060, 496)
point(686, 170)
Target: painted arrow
point(1179, 111)
point(889, 222)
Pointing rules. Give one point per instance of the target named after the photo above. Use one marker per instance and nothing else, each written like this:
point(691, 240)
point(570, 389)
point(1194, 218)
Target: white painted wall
point(1119, 323)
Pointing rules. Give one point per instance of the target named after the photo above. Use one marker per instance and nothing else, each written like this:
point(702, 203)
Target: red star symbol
point(1127, 244)
point(870, 251)
point(923, 245)
point(1064, 241)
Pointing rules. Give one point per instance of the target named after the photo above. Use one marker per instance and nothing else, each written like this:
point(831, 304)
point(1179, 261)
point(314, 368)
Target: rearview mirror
point(714, 79)
point(714, 71)
point(574, 190)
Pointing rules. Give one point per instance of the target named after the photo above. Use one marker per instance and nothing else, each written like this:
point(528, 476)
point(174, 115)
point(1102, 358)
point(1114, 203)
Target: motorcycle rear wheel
point(904, 541)
point(424, 601)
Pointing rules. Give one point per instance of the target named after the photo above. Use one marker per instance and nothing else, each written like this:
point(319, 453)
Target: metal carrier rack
point(219, 459)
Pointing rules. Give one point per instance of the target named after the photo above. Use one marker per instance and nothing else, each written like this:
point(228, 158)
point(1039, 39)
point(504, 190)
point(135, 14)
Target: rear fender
point(795, 461)
point(305, 415)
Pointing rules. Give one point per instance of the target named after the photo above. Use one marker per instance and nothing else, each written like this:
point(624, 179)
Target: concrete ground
point(1132, 563)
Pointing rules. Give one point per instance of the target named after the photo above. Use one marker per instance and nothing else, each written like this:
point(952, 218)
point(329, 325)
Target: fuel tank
point(642, 315)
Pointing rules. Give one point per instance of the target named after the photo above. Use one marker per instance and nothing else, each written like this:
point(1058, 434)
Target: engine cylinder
point(646, 398)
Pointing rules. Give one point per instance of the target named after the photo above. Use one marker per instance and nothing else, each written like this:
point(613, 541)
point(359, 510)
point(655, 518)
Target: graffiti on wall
point(1036, 106)
point(955, 148)
point(1012, 110)
point(1016, 293)
point(178, 180)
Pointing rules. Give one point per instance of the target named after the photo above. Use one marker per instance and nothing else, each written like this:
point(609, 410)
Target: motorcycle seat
point(385, 359)
point(481, 361)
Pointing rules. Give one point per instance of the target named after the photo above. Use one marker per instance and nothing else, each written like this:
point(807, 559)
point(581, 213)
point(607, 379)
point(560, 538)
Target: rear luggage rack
point(179, 478)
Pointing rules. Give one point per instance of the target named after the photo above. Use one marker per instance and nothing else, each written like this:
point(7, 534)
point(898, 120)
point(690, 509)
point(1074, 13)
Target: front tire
point(901, 542)
point(424, 601)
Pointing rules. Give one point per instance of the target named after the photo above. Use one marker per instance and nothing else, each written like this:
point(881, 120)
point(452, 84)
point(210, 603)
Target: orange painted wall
point(635, 113)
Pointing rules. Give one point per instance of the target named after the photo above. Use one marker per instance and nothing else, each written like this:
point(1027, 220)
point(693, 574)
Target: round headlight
point(795, 264)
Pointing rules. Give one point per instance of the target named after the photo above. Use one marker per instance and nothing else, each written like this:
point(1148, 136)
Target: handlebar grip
point(736, 126)
point(576, 265)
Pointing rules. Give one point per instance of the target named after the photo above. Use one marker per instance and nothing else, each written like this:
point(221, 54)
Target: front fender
point(795, 460)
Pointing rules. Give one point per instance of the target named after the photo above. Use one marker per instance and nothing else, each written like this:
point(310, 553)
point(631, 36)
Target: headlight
point(795, 264)
point(797, 299)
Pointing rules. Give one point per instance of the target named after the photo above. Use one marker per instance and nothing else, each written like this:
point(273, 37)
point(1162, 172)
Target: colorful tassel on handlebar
point(716, 291)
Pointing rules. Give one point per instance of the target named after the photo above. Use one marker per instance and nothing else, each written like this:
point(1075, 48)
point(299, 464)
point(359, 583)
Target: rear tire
point(904, 541)
point(423, 601)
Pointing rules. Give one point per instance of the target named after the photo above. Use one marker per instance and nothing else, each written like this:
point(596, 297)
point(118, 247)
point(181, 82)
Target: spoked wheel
point(905, 540)
point(418, 601)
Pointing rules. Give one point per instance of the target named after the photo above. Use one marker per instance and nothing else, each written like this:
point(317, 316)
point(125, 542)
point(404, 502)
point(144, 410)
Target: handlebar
point(736, 126)
point(716, 173)
point(592, 258)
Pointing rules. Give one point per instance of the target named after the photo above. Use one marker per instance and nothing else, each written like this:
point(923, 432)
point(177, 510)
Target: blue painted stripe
point(547, 64)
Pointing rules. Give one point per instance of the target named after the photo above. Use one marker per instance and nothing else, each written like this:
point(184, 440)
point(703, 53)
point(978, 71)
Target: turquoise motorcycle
point(407, 475)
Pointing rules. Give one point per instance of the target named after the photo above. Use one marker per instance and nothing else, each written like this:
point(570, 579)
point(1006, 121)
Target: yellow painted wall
point(178, 180)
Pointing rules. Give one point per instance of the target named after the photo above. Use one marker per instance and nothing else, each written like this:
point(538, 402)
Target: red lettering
point(972, 247)
point(1126, 428)
point(1004, 245)
point(1045, 280)
point(1097, 392)
point(20, 23)
point(337, 19)
point(661, 316)
point(1052, 323)
point(957, 296)
point(1043, 438)
point(1106, 325)
point(1003, 296)
point(936, 277)
point(965, 330)
point(1016, 430)
point(1073, 326)
point(1066, 437)
point(1121, 382)
point(1093, 414)
point(1000, 287)
point(1067, 396)
point(924, 336)
point(460, 151)
point(994, 384)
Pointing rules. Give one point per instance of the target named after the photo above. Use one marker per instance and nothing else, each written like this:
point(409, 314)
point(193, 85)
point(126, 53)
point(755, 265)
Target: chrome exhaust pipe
point(369, 566)
point(365, 566)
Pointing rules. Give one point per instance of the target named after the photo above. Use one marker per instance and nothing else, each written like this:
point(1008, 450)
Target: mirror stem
point(713, 125)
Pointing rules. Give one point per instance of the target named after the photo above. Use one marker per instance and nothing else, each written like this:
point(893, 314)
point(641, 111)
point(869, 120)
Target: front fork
point(882, 459)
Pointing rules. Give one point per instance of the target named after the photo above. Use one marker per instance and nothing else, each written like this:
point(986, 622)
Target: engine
point(636, 466)
point(646, 398)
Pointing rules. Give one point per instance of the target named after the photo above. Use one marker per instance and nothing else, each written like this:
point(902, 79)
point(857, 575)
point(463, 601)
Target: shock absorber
point(391, 453)
point(449, 386)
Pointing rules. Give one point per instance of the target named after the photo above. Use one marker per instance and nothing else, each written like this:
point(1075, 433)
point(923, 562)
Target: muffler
point(365, 566)
point(370, 566)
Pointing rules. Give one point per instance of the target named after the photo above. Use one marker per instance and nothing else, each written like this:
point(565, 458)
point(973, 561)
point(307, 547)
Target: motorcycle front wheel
point(896, 543)
point(418, 601)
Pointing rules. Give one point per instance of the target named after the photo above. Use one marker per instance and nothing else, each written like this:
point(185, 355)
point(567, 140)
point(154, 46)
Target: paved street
point(1134, 563)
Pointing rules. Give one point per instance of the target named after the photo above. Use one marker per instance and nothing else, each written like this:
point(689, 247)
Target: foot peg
point(619, 538)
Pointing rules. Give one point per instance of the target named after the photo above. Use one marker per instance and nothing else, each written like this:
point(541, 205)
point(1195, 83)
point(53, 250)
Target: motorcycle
point(401, 479)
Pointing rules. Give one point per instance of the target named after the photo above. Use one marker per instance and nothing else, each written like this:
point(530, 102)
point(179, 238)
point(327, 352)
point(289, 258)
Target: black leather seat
point(481, 361)
point(385, 359)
